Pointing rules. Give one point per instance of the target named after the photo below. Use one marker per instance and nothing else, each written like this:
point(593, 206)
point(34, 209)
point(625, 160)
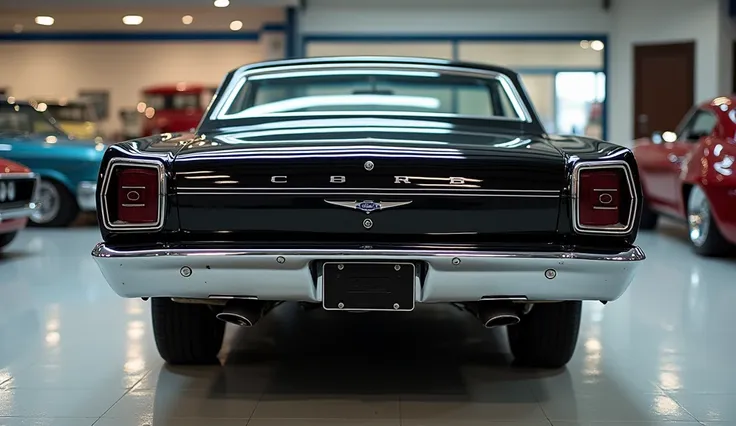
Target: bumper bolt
point(550, 274)
point(397, 267)
point(456, 261)
point(340, 305)
point(280, 259)
point(185, 271)
point(340, 267)
point(396, 306)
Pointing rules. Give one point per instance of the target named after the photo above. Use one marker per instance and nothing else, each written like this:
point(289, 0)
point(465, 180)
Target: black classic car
point(369, 184)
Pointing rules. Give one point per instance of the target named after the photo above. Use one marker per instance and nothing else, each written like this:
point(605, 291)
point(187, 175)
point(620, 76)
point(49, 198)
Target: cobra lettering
point(337, 179)
point(401, 179)
point(278, 179)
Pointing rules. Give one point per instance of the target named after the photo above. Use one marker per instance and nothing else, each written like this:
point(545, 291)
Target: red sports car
point(17, 195)
point(690, 174)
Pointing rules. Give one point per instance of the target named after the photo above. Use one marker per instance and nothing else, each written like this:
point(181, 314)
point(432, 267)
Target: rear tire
point(186, 333)
point(648, 218)
point(702, 228)
point(547, 335)
point(6, 239)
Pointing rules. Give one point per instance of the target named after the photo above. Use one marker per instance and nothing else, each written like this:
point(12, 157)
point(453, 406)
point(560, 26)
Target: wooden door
point(663, 86)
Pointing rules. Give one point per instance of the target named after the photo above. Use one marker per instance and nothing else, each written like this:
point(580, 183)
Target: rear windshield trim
point(240, 77)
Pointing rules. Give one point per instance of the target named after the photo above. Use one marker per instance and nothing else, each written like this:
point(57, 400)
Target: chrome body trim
point(86, 193)
point(607, 230)
point(4, 176)
point(27, 209)
point(362, 192)
point(18, 212)
point(241, 76)
point(117, 162)
point(286, 274)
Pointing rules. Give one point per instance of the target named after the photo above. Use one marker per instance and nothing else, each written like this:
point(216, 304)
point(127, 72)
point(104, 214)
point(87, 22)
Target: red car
point(690, 174)
point(174, 108)
point(17, 195)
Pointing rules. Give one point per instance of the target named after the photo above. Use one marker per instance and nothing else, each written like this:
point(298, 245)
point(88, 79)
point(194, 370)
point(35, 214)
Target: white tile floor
point(73, 353)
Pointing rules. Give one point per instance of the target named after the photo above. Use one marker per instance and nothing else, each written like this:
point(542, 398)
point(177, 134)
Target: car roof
point(719, 100)
point(398, 60)
point(181, 87)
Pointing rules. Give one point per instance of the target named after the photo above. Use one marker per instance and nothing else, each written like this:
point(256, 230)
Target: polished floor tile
point(73, 353)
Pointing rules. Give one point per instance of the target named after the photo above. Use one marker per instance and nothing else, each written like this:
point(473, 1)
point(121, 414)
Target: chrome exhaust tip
point(244, 313)
point(235, 318)
point(501, 320)
point(494, 314)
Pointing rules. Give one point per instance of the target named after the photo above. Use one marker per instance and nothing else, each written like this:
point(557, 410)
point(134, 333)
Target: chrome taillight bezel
point(135, 163)
point(621, 229)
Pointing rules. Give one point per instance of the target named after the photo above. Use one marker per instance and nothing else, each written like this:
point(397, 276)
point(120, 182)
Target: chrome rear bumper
point(451, 276)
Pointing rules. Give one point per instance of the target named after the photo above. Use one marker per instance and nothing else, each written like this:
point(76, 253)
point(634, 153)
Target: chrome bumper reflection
point(17, 213)
point(286, 274)
point(86, 196)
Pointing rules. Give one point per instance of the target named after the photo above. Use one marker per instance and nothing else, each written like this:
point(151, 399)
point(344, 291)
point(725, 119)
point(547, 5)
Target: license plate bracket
point(368, 286)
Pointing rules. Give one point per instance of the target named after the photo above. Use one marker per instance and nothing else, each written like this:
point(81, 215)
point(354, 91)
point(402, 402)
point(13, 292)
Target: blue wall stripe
point(118, 36)
point(94, 36)
point(349, 38)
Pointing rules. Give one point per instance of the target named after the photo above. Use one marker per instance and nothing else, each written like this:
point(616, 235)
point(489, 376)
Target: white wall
point(458, 16)
point(55, 70)
point(647, 21)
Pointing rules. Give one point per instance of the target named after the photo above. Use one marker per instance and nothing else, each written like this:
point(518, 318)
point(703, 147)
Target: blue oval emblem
point(368, 206)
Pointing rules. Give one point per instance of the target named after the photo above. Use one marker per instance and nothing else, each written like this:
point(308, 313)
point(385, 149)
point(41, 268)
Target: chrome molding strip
point(127, 162)
point(631, 255)
point(464, 192)
point(607, 230)
point(21, 176)
point(242, 74)
point(18, 212)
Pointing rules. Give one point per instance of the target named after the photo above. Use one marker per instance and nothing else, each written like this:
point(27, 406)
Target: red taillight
point(137, 200)
point(599, 197)
point(605, 200)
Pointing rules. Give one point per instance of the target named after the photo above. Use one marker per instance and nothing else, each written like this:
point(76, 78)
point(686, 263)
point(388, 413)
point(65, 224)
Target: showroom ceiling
point(126, 5)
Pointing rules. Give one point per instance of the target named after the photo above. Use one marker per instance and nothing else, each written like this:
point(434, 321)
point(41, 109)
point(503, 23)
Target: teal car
point(67, 166)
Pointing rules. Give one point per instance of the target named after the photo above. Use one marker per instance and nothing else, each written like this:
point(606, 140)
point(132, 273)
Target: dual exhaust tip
point(246, 313)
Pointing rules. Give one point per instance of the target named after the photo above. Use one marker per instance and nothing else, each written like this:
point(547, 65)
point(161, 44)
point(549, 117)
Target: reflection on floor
point(74, 353)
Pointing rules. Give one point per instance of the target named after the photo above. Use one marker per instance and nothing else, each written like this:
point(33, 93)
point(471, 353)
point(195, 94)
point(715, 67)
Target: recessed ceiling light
point(222, 3)
point(44, 20)
point(187, 19)
point(132, 20)
point(585, 44)
point(597, 45)
point(17, 28)
point(236, 25)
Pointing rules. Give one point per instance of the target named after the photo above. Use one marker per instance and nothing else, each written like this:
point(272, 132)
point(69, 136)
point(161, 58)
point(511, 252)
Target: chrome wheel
point(698, 216)
point(49, 203)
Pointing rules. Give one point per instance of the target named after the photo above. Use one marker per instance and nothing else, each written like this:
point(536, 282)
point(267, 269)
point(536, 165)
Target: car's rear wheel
point(6, 239)
point(703, 231)
point(186, 333)
point(56, 205)
point(648, 218)
point(547, 335)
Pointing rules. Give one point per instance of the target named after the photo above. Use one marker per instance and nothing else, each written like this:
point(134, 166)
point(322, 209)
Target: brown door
point(663, 86)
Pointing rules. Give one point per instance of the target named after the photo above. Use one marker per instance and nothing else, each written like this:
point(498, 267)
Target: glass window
point(702, 124)
point(179, 101)
point(365, 91)
point(25, 119)
point(70, 112)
